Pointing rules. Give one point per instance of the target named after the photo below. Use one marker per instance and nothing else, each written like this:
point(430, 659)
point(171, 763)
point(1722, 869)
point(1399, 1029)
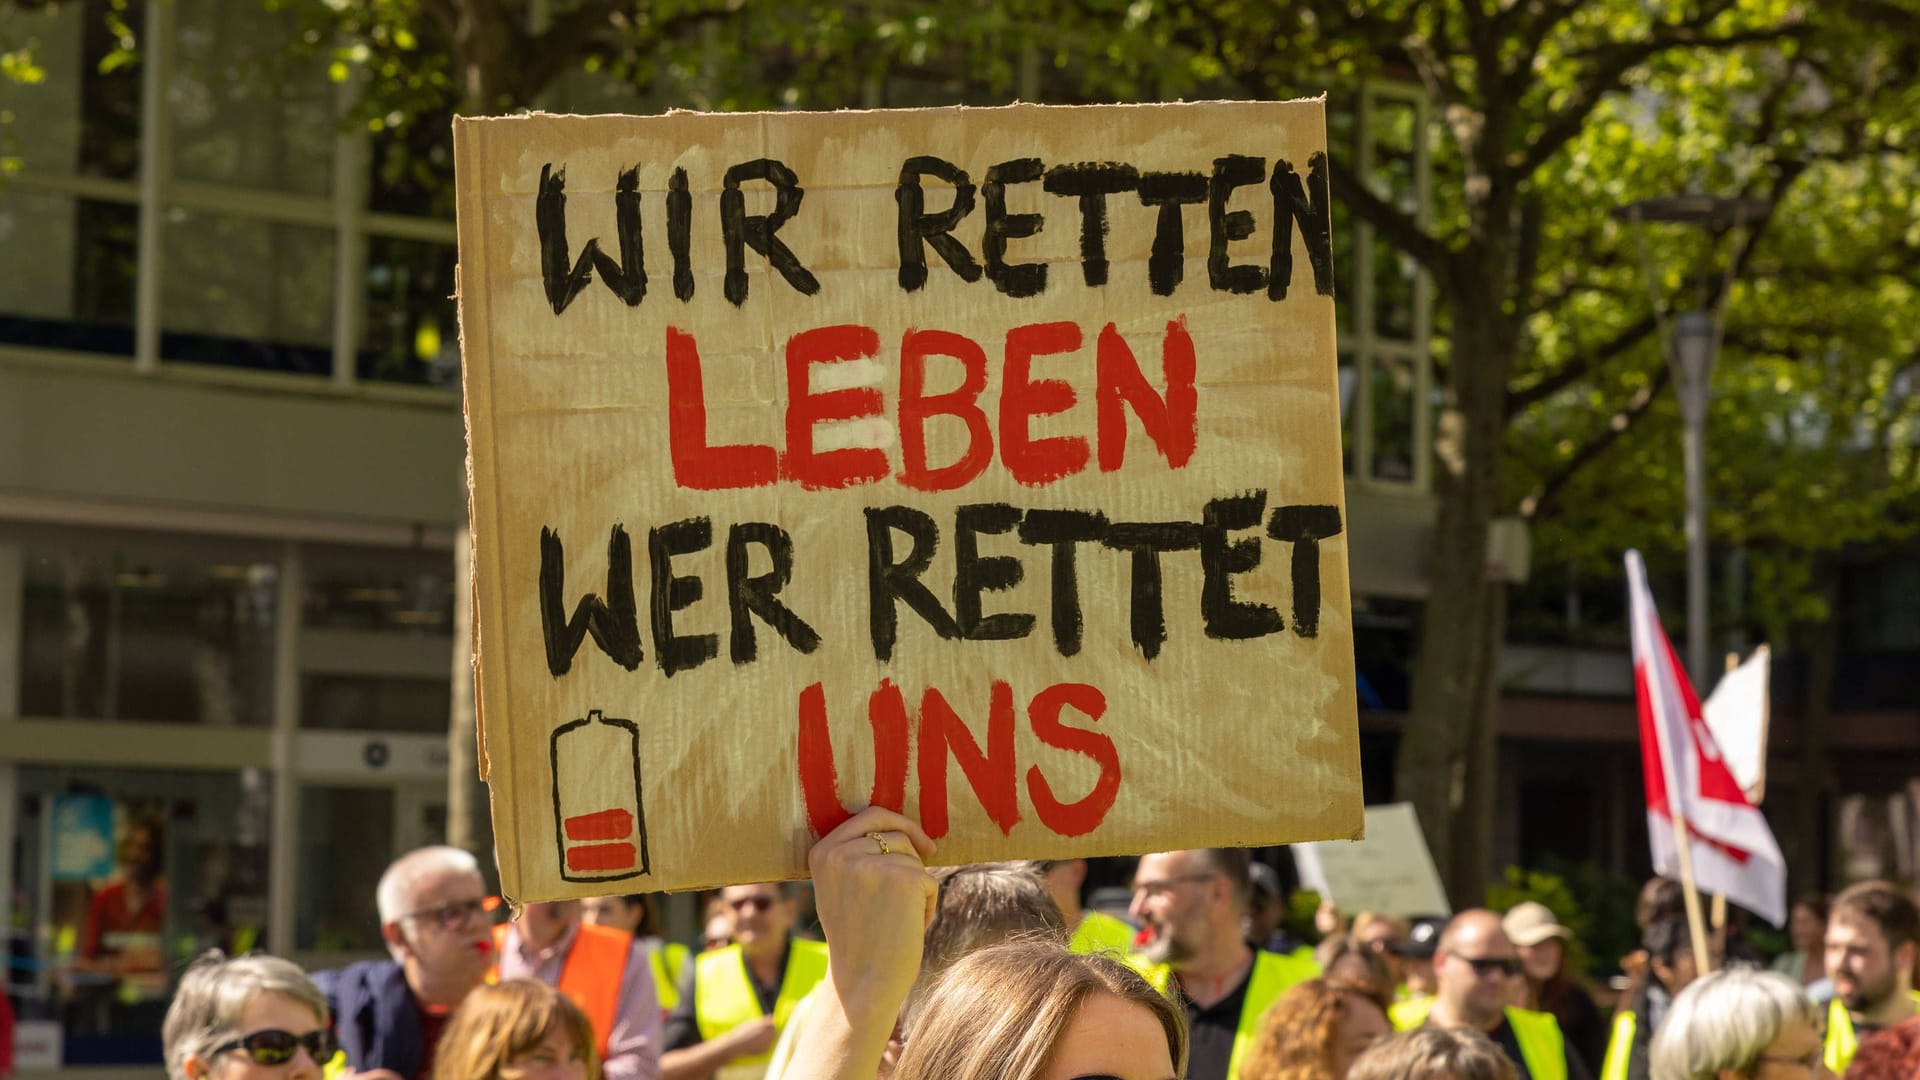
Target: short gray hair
point(1725, 1020)
point(215, 992)
point(396, 890)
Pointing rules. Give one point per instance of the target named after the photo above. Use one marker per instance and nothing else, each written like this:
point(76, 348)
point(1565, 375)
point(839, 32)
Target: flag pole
point(1703, 959)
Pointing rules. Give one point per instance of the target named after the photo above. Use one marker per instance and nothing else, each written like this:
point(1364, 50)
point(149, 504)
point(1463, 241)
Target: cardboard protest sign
point(1391, 871)
point(982, 463)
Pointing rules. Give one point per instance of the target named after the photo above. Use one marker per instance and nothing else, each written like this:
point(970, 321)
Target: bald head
point(1472, 966)
point(1471, 930)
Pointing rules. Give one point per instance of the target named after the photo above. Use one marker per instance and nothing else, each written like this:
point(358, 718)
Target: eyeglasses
point(1165, 885)
point(272, 1046)
point(752, 903)
point(1809, 1061)
point(453, 915)
point(1484, 966)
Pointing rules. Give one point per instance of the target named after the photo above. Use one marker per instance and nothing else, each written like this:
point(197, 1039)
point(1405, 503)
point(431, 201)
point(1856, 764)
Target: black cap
point(1422, 938)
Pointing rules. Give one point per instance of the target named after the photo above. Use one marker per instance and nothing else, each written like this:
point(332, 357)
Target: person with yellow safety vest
point(638, 915)
point(1093, 931)
point(1474, 966)
point(1191, 905)
point(601, 969)
point(1671, 965)
point(735, 1001)
point(1873, 932)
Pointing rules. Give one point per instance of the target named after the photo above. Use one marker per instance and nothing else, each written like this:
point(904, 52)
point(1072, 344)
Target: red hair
point(1296, 1037)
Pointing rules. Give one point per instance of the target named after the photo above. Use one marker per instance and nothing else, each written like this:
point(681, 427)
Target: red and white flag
point(1734, 853)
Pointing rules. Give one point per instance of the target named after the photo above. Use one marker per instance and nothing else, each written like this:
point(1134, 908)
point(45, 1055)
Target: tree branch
point(1390, 221)
point(1550, 487)
point(1526, 260)
point(1610, 62)
point(1580, 367)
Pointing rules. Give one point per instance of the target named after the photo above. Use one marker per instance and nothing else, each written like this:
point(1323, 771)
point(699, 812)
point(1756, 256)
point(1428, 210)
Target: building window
point(335, 911)
point(259, 226)
point(77, 293)
point(122, 632)
point(245, 112)
point(123, 876)
point(1384, 302)
point(376, 641)
point(412, 329)
point(246, 292)
point(74, 135)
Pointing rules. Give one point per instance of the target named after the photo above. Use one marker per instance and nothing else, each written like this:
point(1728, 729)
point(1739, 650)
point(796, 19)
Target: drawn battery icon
point(599, 826)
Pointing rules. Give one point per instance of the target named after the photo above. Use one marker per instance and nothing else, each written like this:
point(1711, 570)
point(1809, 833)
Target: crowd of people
point(1000, 972)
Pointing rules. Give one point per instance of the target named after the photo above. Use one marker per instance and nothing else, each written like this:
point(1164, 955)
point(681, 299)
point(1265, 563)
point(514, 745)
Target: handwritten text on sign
point(980, 463)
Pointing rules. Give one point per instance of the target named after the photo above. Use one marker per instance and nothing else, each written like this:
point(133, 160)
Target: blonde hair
point(1725, 1020)
point(1433, 1053)
point(496, 1025)
point(998, 1013)
point(982, 904)
point(215, 992)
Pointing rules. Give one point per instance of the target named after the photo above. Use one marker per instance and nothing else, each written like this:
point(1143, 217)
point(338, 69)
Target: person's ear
point(195, 1067)
point(396, 937)
point(1903, 957)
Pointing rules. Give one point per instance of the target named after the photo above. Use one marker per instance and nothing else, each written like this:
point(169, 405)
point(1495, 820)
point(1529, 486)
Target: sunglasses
point(752, 903)
point(1486, 966)
point(458, 913)
point(273, 1046)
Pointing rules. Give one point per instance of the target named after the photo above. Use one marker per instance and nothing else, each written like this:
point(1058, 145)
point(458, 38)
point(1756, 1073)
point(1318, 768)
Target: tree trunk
point(1446, 752)
point(1473, 833)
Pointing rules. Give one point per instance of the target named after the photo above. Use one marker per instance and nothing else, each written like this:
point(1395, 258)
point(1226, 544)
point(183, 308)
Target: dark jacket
point(374, 1016)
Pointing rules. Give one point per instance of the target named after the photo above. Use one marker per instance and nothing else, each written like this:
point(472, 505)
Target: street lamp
point(1692, 343)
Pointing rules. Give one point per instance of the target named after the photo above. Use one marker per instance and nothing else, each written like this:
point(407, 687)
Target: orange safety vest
point(590, 975)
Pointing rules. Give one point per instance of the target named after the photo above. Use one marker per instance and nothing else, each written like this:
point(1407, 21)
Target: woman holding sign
point(1008, 1012)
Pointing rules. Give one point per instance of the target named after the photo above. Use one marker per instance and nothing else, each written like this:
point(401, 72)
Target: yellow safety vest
point(723, 996)
point(1273, 974)
point(1538, 1034)
point(669, 961)
point(1409, 1014)
point(1099, 932)
point(1841, 1043)
point(1620, 1046)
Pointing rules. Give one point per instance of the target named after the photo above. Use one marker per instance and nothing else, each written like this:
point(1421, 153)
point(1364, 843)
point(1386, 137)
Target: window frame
point(156, 192)
point(1361, 345)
